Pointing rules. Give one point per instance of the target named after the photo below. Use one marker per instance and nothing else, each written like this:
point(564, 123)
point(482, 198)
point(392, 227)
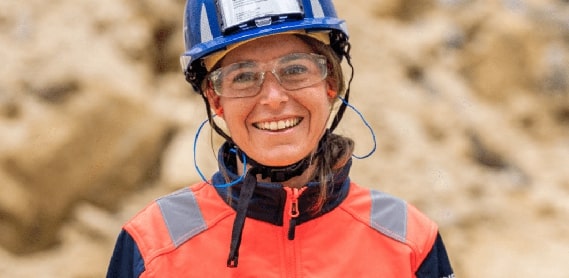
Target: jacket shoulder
point(394, 218)
point(173, 219)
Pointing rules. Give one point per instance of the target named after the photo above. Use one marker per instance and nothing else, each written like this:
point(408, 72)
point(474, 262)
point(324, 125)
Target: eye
point(295, 69)
point(244, 77)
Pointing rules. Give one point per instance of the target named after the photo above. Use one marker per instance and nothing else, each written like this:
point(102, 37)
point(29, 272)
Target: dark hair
point(336, 149)
point(335, 73)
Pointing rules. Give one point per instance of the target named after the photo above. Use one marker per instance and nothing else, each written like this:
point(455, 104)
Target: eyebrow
point(289, 57)
point(242, 64)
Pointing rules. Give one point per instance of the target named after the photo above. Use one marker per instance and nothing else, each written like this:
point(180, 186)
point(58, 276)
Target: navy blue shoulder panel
point(437, 263)
point(126, 260)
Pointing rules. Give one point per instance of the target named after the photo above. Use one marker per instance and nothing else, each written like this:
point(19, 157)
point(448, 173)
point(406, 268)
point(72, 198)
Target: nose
point(271, 91)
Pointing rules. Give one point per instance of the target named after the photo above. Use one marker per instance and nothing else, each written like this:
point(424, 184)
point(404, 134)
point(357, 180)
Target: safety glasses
point(293, 72)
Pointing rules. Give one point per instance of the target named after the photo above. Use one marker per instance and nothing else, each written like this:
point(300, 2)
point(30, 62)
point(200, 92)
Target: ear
point(331, 90)
point(331, 93)
point(214, 101)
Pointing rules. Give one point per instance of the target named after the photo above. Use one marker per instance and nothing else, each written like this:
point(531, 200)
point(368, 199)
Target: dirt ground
point(468, 100)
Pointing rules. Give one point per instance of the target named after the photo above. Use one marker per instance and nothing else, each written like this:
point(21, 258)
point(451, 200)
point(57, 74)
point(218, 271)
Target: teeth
point(278, 125)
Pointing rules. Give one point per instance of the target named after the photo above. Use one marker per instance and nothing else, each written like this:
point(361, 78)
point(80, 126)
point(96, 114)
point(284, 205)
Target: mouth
point(278, 125)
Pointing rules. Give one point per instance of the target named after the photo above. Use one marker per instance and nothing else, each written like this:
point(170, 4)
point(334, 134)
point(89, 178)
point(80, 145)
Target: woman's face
point(276, 127)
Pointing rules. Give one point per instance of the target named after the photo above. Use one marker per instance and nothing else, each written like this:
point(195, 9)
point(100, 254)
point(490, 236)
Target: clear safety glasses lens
point(293, 72)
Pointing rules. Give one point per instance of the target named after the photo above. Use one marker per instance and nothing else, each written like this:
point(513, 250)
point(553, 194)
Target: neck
point(297, 181)
point(294, 175)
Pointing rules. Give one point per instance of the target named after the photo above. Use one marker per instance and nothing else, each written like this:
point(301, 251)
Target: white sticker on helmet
point(237, 12)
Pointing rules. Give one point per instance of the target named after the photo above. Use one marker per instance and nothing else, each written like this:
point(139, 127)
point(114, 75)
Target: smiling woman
point(271, 70)
point(307, 104)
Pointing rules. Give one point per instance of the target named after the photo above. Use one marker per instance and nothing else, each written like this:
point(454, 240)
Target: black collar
point(268, 200)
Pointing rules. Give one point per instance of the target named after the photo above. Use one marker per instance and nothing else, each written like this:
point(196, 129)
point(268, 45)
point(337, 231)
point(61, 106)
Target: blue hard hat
point(213, 25)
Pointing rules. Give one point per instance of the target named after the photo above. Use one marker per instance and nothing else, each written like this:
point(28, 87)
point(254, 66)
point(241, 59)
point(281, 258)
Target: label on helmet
point(241, 12)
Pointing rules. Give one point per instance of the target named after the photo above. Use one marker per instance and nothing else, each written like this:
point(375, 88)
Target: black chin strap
point(278, 174)
point(249, 184)
point(284, 173)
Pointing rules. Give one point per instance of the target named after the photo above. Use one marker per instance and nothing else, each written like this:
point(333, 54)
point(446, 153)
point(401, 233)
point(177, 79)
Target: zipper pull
point(294, 211)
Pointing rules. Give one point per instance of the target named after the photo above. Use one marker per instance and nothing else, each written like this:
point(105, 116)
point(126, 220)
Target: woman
point(281, 204)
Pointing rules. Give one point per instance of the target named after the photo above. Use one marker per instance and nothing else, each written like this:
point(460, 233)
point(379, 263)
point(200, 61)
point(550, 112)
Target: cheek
point(320, 118)
point(321, 108)
point(235, 114)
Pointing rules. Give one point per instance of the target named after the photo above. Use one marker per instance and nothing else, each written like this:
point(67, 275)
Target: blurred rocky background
point(469, 100)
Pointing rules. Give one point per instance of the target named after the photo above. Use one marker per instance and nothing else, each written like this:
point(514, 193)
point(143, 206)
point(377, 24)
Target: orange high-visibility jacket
point(359, 233)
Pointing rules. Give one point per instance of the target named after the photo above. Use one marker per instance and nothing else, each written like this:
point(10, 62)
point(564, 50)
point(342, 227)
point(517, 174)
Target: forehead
point(267, 48)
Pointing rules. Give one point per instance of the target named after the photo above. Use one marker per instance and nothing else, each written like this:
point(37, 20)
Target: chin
point(278, 155)
point(278, 161)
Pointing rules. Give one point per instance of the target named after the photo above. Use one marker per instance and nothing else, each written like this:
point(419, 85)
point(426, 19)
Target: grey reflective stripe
point(317, 8)
point(182, 215)
point(205, 28)
point(389, 215)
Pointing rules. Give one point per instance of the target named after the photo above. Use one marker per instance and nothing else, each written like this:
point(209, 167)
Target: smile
point(278, 125)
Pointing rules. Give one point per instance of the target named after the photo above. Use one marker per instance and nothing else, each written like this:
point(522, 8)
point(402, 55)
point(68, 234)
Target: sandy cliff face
point(469, 101)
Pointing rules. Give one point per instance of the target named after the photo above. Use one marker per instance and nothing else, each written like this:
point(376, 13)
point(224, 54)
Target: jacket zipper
point(293, 211)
